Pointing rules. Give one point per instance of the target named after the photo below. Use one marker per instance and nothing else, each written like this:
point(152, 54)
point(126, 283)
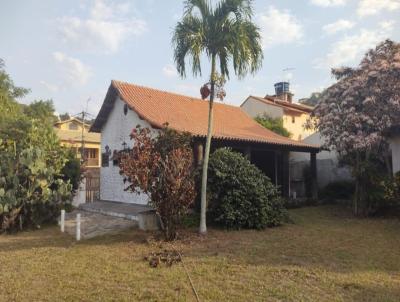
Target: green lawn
point(325, 255)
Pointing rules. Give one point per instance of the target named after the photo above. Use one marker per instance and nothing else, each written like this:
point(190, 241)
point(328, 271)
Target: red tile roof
point(184, 113)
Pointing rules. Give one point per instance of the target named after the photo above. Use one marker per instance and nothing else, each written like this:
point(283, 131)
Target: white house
point(127, 105)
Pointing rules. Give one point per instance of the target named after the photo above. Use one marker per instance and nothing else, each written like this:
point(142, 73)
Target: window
point(293, 119)
point(104, 160)
point(91, 153)
point(73, 126)
point(126, 109)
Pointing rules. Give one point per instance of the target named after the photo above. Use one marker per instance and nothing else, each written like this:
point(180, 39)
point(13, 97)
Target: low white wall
point(328, 169)
point(80, 195)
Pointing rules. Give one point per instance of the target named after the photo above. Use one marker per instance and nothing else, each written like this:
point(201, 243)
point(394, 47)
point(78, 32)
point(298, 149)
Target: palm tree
point(224, 32)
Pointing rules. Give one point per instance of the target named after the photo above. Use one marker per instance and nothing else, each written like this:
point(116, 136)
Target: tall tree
point(354, 113)
point(223, 32)
point(41, 110)
point(7, 87)
point(32, 187)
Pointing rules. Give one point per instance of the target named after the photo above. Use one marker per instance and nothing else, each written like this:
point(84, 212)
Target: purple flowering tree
point(354, 113)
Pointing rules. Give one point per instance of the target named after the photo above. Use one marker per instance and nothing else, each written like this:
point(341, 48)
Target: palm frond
point(242, 9)
point(226, 33)
point(188, 41)
point(203, 6)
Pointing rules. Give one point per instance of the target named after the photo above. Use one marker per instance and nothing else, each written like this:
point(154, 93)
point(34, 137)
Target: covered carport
point(271, 158)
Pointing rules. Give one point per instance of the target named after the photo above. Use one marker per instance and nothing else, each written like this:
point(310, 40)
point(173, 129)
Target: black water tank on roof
point(281, 88)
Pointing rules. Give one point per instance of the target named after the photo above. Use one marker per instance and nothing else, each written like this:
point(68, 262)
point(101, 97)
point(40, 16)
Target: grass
point(325, 255)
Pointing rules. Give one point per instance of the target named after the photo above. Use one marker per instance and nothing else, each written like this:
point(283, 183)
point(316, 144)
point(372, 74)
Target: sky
point(69, 51)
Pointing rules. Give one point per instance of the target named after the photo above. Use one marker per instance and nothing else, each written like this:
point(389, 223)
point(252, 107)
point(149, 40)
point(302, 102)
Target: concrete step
point(144, 215)
point(95, 224)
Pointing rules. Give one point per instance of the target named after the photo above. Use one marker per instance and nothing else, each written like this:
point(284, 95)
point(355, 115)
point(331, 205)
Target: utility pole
point(286, 73)
point(83, 115)
point(83, 137)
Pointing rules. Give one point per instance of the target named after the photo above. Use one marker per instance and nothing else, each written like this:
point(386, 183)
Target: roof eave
point(292, 147)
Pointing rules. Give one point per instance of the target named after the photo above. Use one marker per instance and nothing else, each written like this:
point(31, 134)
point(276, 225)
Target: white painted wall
point(254, 108)
point(313, 139)
point(114, 132)
point(395, 146)
point(328, 169)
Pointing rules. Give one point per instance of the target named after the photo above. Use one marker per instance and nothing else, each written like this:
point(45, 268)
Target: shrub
point(338, 190)
point(72, 171)
point(387, 194)
point(162, 168)
point(31, 190)
point(240, 195)
point(273, 124)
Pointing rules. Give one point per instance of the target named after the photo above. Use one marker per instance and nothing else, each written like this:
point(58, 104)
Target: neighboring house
point(394, 140)
point(281, 105)
point(73, 133)
point(328, 168)
point(127, 105)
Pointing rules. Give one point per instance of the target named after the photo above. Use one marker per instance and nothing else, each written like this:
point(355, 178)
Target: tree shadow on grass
point(51, 237)
point(326, 238)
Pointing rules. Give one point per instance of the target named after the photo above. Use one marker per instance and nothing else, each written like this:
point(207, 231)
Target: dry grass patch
point(325, 255)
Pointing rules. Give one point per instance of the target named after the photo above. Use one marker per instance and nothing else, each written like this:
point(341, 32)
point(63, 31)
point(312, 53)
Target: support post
point(276, 167)
point(314, 182)
point(247, 153)
point(285, 174)
point(62, 221)
point(199, 152)
point(78, 227)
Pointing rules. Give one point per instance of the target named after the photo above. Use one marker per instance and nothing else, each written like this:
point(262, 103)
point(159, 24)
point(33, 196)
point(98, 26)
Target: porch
point(271, 159)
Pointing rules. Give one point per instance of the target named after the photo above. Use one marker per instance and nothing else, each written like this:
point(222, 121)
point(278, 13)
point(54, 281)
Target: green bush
point(72, 171)
point(338, 190)
point(389, 189)
point(32, 188)
point(240, 195)
point(32, 191)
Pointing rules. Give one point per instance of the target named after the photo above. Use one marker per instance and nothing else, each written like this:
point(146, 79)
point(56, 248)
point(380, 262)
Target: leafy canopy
point(354, 113)
point(224, 32)
point(32, 184)
point(273, 124)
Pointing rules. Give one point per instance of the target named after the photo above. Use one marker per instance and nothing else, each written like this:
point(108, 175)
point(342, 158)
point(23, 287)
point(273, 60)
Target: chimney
point(282, 91)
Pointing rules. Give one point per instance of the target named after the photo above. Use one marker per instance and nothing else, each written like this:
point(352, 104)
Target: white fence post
point(62, 222)
point(78, 227)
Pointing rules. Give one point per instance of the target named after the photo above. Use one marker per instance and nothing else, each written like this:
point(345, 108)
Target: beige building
point(281, 105)
point(74, 133)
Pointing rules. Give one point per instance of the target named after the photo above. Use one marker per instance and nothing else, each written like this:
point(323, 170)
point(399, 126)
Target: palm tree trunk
point(203, 204)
